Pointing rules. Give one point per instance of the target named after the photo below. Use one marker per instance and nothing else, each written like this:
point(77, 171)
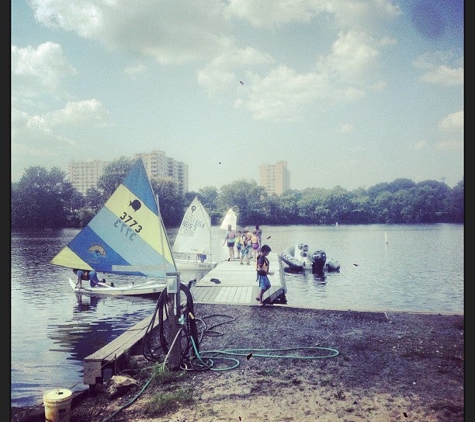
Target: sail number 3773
point(128, 225)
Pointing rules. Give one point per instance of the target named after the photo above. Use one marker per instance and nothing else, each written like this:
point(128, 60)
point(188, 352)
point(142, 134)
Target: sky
point(350, 93)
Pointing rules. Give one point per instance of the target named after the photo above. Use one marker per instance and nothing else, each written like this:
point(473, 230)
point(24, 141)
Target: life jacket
point(254, 239)
point(265, 266)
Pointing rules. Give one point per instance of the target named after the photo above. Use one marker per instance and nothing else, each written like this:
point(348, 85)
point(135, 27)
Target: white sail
point(192, 245)
point(126, 237)
point(194, 234)
point(229, 218)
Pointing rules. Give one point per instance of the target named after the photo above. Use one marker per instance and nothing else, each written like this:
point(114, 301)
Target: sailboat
point(229, 218)
point(126, 237)
point(192, 245)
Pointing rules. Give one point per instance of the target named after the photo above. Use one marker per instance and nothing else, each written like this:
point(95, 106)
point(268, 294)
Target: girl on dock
point(262, 272)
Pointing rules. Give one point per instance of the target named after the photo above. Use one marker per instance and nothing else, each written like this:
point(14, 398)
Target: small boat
point(298, 259)
point(148, 288)
point(192, 245)
point(126, 237)
point(229, 218)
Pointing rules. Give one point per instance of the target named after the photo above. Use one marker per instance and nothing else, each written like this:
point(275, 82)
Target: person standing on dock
point(262, 266)
point(229, 240)
point(259, 237)
point(238, 243)
point(247, 245)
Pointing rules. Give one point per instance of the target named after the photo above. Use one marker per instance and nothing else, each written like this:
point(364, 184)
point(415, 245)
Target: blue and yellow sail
point(127, 236)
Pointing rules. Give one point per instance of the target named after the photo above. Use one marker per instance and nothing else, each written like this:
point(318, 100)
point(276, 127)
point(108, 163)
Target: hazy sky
point(348, 92)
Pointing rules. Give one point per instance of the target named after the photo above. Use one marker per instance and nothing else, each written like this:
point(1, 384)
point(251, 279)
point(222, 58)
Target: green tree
point(246, 196)
point(289, 205)
point(209, 198)
point(172, 206)
point(95, 199)
point(113, 175)
point(42, 199)
point(454, 204)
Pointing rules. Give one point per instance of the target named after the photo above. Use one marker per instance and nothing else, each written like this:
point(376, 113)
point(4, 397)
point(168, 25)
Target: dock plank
point(95, 364)
point(235, 283)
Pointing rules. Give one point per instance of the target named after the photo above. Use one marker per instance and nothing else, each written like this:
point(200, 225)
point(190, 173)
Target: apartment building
point(275, 177)
point(157, 164)
point(84, 175)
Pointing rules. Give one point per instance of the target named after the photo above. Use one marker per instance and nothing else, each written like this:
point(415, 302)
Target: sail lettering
point(129, 232)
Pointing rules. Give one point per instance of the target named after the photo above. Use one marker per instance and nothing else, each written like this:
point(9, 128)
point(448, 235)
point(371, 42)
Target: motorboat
point(299, 259)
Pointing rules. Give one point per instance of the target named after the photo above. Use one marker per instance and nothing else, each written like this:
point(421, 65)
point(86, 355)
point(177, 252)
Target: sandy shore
point(339, 366)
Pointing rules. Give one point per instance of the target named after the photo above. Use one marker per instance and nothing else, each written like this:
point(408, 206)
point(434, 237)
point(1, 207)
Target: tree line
point(46, 199)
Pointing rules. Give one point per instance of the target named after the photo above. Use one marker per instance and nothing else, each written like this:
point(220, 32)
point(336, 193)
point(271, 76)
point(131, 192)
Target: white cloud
point(39, 71)
point(419, 145)
point(55, 134)
point(90, 113)
point(135, 69)
point(345, 129)
point(454, 121)
point(176, 31)
point(201, 33)
point(441, 68)
point(346, 13)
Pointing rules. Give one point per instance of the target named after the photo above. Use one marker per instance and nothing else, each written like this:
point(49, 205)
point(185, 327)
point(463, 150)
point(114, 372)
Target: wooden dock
point(102, 364)
point(232, 283)
point(228, 283)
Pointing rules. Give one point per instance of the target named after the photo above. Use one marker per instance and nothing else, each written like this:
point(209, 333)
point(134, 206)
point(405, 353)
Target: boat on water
point(299, 259)
point(126, 237)
point(192, 245)
point(146, 288)
point(229, 218)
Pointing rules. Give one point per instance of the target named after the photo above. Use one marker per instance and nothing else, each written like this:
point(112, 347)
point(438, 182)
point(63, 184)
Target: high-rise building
point(84, 175)
point(157, 164)
point(275, 177)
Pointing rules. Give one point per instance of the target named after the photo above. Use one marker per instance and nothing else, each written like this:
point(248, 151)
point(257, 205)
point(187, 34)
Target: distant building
point(157, 164)
point(84, 175)
point(275, 177)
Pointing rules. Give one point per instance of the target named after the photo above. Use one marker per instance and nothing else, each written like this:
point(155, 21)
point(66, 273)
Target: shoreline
point(388, 363)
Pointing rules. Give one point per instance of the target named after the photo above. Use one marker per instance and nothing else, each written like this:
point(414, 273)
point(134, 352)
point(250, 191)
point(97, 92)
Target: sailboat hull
point(149, 288)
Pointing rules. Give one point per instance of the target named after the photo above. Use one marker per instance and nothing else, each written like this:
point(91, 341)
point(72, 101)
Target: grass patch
point(169, 401)
point(174, 391)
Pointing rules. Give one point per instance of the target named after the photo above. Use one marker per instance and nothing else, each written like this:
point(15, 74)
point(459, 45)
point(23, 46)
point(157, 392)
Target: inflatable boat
point(298, 258)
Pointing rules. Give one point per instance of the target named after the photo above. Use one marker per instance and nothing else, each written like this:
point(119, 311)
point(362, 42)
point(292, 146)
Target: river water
point(416, 268)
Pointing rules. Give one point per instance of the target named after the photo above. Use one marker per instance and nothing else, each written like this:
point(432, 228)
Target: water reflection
point(86, 303)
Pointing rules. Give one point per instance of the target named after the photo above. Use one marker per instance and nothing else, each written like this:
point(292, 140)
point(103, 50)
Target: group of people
point(245, 244)
point(249, 245)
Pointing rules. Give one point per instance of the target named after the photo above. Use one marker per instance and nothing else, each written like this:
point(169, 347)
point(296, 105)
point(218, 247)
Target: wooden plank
point(245, 295)
point(95, 364)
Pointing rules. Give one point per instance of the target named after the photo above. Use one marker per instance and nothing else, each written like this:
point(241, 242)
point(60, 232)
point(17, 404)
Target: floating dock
point(233, 283)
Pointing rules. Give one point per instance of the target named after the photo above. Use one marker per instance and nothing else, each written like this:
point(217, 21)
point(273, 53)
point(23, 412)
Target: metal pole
point(173, 303)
